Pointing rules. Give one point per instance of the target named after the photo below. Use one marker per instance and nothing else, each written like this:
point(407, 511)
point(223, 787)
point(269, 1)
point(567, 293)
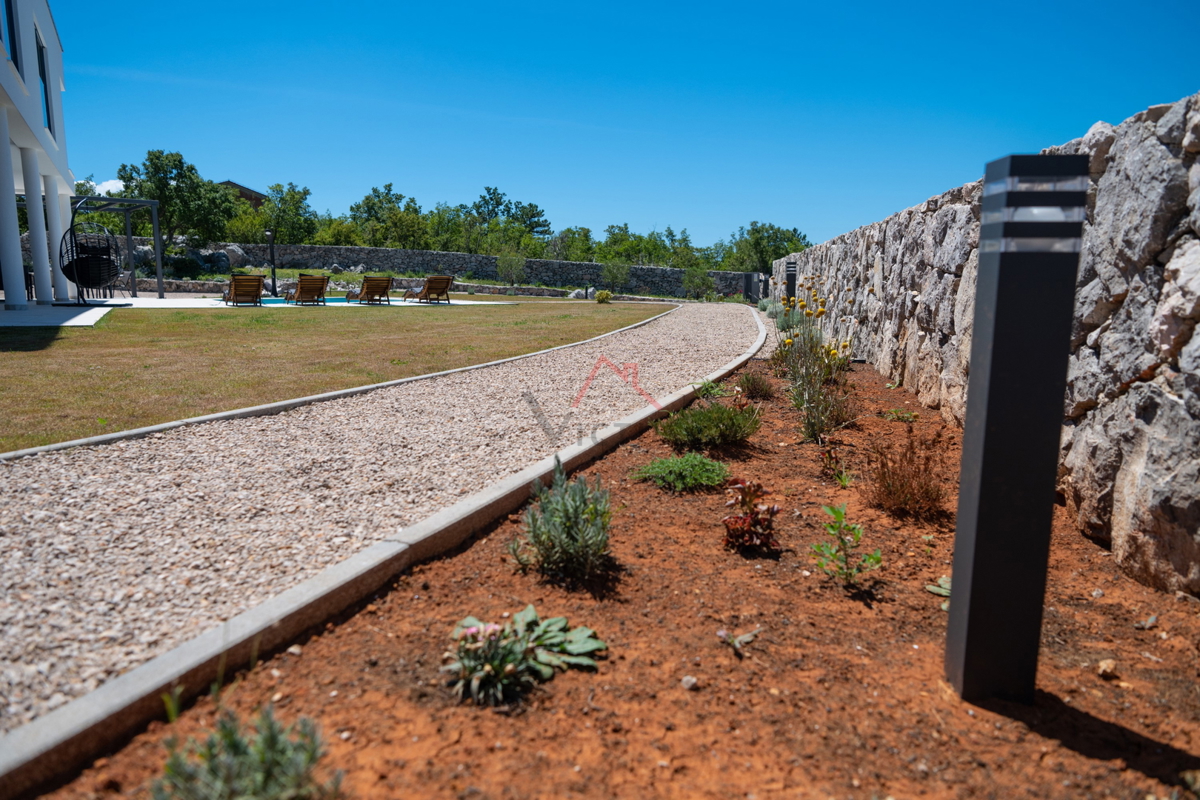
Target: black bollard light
point(271, 244)
point(790, 270)
point(1031, 225)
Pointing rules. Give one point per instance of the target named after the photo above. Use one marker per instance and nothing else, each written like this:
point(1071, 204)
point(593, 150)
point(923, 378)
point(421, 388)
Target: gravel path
point(112, 555)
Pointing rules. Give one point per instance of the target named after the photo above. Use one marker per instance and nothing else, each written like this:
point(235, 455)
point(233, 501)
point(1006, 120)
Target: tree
point(287, 212)
point(615, 274)
point(337, 231)
point(571, 244)
point(511, 268)
point(696, 281)
point(753, 249)
point(492, 204)
point(531, 218)
point(248, 225)
point(187, 204)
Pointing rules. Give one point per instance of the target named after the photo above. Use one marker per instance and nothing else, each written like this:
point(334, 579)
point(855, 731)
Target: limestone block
point(954, 381)
point(1125, 350)
point(1140, 198)
point(1171, 128)
point(1153, 113)
point(958, 237)
point(1179, 303)
point(1085, 382)
point(1191, 134)
point(1156, 494)
point(1096, 144)
point(1088, 466)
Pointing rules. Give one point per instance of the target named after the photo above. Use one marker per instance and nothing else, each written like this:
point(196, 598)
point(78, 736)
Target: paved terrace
point(72, 315)
point(112, 555)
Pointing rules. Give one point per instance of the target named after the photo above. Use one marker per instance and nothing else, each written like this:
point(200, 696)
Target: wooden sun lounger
point(244, 290)
point(437, 287)
point(374, 290)
point(309, 289)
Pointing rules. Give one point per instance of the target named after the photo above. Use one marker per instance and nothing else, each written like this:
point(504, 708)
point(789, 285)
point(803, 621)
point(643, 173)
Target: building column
point(10, 232)
point(64, 216)
point(35, 211)
point(54, 223)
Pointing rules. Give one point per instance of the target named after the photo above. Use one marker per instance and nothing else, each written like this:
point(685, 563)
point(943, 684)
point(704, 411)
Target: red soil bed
point(837, 697)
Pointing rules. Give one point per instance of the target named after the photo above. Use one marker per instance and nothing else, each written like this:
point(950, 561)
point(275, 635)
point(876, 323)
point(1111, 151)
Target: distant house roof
point(254, 198)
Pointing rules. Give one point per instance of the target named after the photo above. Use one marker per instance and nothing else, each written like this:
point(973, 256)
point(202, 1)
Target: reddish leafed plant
point(754, 525)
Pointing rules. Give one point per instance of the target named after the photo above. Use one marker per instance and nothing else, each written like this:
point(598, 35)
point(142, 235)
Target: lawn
point(141, 367)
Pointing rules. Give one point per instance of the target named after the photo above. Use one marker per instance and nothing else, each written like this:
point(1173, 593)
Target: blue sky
point(702, 116)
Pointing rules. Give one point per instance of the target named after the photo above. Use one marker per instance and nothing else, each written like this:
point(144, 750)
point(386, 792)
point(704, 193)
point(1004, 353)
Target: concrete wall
point(904, 288)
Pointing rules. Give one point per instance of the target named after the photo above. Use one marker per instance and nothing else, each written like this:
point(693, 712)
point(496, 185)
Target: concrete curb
point(56, 746)
point(287, 405)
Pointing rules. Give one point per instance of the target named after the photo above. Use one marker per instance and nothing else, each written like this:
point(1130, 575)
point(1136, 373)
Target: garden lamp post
point(1029, 242)
point(790, 269)
point(271, 244)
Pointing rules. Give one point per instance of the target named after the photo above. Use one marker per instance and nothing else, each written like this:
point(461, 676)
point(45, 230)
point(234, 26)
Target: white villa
point(31, 86)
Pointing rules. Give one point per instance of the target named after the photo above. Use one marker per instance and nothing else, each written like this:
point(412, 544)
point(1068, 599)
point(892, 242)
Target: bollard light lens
point(1034, 214)
point(1037, 183)
point(1030, 244)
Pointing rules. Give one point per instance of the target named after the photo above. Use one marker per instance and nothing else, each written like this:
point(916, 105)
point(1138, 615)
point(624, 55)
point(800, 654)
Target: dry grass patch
point(141, 367)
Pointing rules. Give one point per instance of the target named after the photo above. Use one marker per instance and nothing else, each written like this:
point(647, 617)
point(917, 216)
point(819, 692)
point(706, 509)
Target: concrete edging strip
point(65, 740)
point(268, 409)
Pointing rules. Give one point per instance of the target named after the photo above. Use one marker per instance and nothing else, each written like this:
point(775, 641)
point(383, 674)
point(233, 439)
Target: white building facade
point(31, 86)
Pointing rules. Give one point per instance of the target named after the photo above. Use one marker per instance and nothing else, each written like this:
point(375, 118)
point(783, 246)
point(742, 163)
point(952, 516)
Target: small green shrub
point(832, 466)
point(708, 390)
point(470, 290)
point(604, 296)
point(270, 764)
point(838, 559)
point(511, 293)
point(773, 310)
point(708, 426)
point(789, 320)
point(685, 473)
point(899, 415)
point(510, 268)
point(763, 304)
point(494, 664)
point(615, 274)
point(755, 386)
point(567, 531)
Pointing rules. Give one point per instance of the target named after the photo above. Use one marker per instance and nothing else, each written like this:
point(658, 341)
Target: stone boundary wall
point(1129, 468)
point(643, 280)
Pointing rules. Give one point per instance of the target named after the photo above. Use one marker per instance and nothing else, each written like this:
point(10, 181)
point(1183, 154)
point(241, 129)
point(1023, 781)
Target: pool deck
point(57, 316)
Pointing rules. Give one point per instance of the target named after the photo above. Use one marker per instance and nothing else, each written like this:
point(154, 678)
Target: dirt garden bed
point(840, 695)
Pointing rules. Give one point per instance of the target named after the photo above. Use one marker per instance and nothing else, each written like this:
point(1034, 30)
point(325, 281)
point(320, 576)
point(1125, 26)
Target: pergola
point(126, 206)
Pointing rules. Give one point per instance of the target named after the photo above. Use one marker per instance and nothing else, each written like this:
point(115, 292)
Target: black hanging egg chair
point(89, 255)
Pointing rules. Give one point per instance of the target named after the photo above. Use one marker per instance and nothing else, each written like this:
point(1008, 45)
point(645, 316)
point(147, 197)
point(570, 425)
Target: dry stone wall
point(904, 289)
point(642, 279)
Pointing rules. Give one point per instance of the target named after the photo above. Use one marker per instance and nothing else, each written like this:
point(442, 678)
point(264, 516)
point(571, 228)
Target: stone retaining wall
point(1130, 453)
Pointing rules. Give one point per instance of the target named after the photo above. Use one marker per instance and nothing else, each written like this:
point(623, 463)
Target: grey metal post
point(129, 255)
point(790, 270)
point(157, 250)
point(1032, 216)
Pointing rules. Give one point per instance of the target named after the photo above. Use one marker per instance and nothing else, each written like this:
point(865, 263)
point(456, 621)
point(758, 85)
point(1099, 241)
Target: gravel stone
point(112, 555)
